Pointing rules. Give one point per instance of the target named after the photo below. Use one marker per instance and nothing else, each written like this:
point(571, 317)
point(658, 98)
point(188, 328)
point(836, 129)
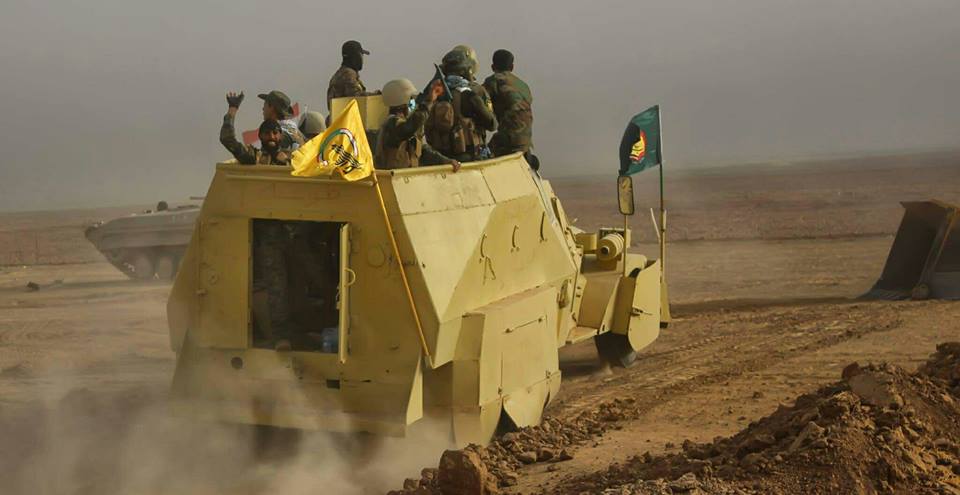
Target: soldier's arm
point(244, 153)
point(413, 124)
point(352, 85)
point(430, 156)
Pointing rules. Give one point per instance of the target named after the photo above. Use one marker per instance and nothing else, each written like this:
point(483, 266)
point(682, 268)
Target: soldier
point(271, 135)
point(346, 81)
point(276, 106)
point(270, 239)
point(458, 128)
point(312, 125)
point(513, 106)
point(400, 142)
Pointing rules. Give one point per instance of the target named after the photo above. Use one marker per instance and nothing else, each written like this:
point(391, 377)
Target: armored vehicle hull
point(146, 245)
point(454, 320)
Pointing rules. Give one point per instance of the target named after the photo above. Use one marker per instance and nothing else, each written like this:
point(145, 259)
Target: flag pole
point(626, 238)
point(403, 271)
point(663, 210)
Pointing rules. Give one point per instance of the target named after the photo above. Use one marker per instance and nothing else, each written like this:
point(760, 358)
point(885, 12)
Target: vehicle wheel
point(167, 267)
point(615, 349)
point(143, 267)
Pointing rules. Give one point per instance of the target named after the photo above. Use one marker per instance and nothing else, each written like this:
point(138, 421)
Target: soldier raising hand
point(271, 137)
point(400, 143)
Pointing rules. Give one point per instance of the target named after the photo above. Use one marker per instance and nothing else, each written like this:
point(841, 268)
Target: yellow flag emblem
point(341, 149)
point(639, 149)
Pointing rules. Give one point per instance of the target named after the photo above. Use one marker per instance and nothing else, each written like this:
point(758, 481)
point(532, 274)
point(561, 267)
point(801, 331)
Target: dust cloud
point(118, 102)
point(127, 442)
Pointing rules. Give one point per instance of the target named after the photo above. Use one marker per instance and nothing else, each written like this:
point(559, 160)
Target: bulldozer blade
point(924, 261)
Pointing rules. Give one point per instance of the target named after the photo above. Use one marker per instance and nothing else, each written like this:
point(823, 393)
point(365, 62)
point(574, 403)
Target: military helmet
point(457, 62)
point(472, 56)
point(313, 123)
point(398, 92)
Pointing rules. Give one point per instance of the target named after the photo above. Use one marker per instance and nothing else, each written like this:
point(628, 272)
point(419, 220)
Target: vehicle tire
point(143, 266)
point(167, 267)
point(615, 349)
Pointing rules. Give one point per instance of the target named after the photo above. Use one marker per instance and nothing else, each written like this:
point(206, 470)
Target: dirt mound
point(501, 460)
point(878, 430)
point(943, 366)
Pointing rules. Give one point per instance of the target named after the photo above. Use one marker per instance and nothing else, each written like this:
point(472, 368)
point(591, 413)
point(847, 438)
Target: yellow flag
point(341, 149)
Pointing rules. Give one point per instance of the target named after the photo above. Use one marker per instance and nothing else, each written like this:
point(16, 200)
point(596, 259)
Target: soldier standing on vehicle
point(271, 136)
point(276, 106)
point(269, 236)
point(400, 142)
point(457, 128)
point(346, 81)
point(513, 106)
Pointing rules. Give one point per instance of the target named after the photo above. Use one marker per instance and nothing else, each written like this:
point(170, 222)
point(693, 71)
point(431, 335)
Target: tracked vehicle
point(146, 245)
point(498, 281)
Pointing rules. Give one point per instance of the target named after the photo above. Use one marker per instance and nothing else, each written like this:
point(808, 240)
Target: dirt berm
point(879, 429)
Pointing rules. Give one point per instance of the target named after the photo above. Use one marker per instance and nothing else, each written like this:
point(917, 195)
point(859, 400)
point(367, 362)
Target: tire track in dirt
point(744, 342)
point(732, 351)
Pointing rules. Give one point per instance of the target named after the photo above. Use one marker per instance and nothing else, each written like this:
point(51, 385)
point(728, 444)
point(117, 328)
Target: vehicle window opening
point(295, 284)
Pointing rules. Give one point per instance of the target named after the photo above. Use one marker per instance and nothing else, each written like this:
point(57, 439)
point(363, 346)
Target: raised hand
point(234, 99)
point(436, 89)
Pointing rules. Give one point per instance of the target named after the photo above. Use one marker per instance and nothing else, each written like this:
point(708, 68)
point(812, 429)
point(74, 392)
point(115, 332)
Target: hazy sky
point(120, 101)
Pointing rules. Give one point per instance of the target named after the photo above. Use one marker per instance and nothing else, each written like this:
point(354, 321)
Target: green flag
point(640, 146)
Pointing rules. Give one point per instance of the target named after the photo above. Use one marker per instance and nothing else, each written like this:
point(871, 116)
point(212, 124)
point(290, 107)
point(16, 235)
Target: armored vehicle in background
point(455, 319)
point(146, 245)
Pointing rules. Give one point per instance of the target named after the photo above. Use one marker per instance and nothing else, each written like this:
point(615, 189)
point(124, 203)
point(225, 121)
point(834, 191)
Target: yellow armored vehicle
point(460, 329)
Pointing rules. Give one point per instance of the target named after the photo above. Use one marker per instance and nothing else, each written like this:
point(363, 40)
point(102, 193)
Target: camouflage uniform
point(401, 144)
point(245, 153)
point(458, 128)
point(479, 108)
point(473, 118)
point(345, 82)
point(513, 106)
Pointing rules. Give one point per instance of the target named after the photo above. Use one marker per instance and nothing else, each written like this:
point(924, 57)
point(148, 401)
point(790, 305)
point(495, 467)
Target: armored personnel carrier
point(146, 245)
point(455, 319)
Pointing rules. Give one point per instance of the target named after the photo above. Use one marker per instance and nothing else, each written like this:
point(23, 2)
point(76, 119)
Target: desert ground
point(765, 264)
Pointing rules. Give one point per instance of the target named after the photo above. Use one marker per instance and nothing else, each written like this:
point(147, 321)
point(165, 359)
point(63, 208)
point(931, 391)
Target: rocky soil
point(879, 429)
